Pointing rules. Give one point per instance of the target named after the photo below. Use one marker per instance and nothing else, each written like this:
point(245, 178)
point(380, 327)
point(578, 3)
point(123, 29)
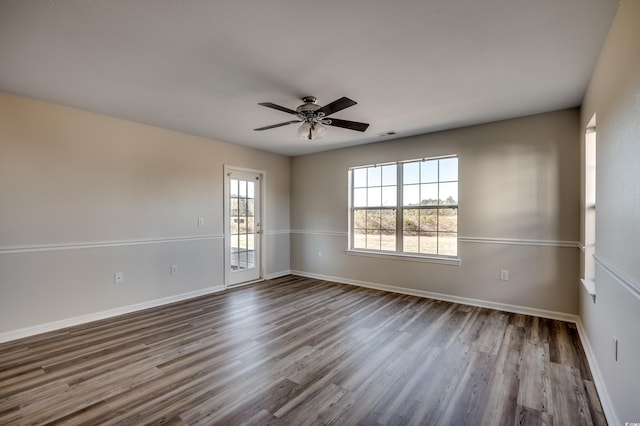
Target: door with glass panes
point(243, 227)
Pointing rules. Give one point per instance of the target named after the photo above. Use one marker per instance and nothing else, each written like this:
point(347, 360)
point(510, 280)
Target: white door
point(243, 233)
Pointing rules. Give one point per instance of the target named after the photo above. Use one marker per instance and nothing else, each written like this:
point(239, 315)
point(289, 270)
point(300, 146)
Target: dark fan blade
point(351, 125)
point(278, 107)
point(336, 106)
point(273, 126)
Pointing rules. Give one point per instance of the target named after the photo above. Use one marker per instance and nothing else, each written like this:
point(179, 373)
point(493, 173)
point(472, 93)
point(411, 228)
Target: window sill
point(590, 286)
point(406, 257)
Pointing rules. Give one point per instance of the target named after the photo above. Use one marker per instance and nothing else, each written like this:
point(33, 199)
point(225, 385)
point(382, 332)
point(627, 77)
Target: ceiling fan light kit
point(311, 130)
point(313, 117)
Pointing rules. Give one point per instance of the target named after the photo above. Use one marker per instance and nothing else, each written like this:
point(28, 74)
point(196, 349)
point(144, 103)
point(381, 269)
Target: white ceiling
point(202, 66)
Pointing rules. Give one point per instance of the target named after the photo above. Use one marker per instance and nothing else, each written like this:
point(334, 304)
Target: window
point(406, 207)
point(242, 224)
point(589, 244)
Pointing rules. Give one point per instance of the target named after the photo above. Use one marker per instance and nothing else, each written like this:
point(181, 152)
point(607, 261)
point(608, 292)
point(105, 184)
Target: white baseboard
point(607, 407)
point(271, 276)
point(598, 379)
point(82, 319)
point(447, 298)
point(591, 359)
point(275, 275)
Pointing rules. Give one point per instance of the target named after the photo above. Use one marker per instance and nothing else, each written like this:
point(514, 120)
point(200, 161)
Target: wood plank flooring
point(299, 351)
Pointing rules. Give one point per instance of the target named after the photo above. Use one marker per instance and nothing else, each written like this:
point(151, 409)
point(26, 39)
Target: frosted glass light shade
point(318, 131)
point(303, 130)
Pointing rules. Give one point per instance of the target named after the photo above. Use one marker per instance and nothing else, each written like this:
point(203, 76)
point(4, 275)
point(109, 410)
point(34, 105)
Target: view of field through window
point(242, 224)
point(409, 207)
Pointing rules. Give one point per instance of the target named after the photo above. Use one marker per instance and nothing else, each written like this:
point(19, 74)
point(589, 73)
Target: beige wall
point(518, 184)
point(614, 95)
point(71, 179)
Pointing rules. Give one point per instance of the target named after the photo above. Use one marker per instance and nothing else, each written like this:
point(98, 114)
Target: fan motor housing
point(309, 105)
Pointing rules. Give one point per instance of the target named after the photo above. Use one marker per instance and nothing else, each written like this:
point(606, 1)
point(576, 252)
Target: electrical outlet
point(118, 277)
point(174, 269)
point(504, 274)
point(200, 221)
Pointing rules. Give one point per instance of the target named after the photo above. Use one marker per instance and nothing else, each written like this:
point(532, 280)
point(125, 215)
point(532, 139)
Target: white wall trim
point(598, 379)
point(279, 274)
point(95, 316)
point(633, 288)
point(101, 244)
point(245, 283)
point(519, 242)
point(447, 298)
point(319, 232)
point(277, 232)
point(462, 239)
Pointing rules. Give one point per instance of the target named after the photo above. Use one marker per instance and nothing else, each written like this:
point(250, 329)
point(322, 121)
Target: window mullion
point(438, 214)
point(399, 209)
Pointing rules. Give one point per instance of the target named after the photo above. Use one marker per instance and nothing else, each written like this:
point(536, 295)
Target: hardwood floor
point(301, 351)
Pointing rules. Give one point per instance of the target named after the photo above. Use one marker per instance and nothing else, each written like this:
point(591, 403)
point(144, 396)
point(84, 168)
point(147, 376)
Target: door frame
point(227, 169)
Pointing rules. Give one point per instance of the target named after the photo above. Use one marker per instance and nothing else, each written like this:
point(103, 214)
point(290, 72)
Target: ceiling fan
point(314, 117)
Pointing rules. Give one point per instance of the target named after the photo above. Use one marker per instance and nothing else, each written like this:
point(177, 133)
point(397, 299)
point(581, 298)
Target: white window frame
point(399, 208)
point(588, 245)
